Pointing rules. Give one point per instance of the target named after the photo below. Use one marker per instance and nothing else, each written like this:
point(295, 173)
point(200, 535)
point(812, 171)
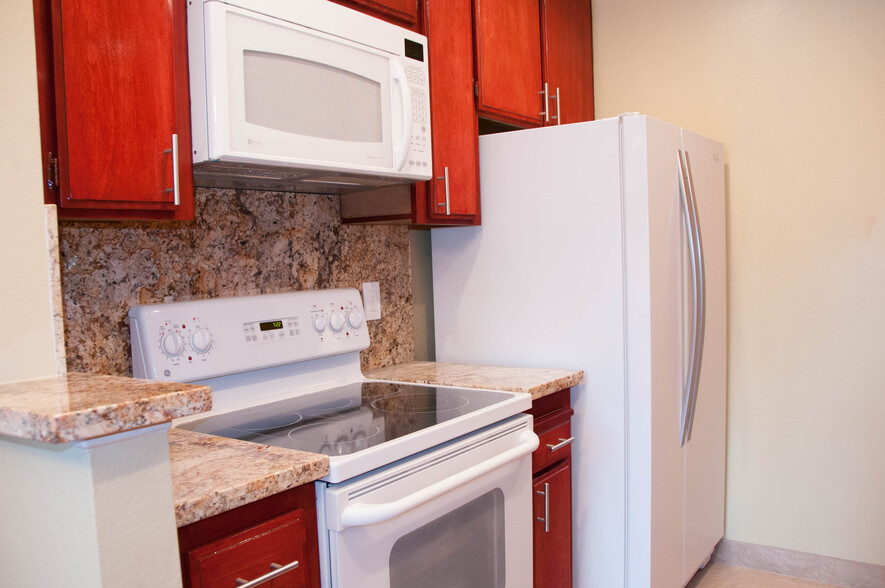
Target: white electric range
point(428, 485)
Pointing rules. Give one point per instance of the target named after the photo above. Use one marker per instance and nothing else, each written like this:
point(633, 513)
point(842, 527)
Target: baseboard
point(817, 568)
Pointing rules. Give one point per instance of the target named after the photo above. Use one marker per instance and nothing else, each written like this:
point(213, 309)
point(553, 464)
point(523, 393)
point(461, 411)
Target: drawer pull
point(277, 570)
point(562, 443)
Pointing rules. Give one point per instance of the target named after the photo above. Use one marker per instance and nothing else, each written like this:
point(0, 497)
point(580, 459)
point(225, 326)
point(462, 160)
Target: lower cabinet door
point(552, 508)
point(260, 551)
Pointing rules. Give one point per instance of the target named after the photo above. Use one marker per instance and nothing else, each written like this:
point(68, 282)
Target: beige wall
point(24, 272)
point(795, 90)
point(93, 514)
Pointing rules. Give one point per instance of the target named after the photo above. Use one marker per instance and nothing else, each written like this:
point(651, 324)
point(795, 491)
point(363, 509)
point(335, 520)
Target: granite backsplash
point(240, 243)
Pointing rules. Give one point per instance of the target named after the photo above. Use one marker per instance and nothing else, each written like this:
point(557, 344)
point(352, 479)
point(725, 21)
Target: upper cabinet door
point(568, 59)
point(508, 60)
point(119, 78)
point(454, 191)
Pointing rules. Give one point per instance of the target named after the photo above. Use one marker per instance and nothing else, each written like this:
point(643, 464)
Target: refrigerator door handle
point(690, 215)
point(702, 296)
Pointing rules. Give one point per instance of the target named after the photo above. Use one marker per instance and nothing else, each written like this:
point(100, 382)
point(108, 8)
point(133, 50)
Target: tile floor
point(718, 575)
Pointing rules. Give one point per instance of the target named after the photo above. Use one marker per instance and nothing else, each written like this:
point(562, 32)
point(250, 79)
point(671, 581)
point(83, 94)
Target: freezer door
point(705, 451)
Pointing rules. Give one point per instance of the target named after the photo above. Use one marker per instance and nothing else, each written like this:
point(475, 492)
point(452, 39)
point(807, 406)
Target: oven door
point(458, 515)
point(279, 93)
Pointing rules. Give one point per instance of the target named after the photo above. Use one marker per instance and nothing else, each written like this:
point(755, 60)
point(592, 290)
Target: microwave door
point(275, 89)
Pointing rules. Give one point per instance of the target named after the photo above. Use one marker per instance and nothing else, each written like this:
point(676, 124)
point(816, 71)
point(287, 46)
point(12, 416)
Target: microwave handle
point(401, 147)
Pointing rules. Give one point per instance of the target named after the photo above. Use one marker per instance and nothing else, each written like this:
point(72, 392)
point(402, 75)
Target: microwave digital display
point(414, 50)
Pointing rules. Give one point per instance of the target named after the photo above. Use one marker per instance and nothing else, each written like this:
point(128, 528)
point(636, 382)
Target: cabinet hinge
point(52, 172)
point(475, 89)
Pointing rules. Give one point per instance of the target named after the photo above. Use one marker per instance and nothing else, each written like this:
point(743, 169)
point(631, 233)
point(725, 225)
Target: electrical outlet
point(372, 300)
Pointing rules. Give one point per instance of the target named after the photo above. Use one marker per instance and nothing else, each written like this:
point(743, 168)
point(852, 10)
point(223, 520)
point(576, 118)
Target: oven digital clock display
point(260, 332)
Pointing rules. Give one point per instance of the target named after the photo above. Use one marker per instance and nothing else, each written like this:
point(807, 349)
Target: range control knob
point(201, 340)
point(319, 323)
point(336, 321)
point(172, 344)
point(355, 318)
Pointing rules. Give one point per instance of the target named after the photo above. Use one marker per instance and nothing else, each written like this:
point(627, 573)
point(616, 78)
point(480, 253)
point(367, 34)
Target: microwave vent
point(246, 176)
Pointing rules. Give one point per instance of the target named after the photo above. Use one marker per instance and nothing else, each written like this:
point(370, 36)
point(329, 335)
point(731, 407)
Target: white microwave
point(305, 96)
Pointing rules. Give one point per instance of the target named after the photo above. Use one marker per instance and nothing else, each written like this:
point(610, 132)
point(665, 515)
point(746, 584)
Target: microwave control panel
point(419, 157)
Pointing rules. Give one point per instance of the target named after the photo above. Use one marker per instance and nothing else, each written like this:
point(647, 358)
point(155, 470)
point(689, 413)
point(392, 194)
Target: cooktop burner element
point(419, 402)
point(347, 419)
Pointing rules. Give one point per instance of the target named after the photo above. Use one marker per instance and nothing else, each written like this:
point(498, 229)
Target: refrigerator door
point(705, 450)
point(540, 283)
point(656, 261)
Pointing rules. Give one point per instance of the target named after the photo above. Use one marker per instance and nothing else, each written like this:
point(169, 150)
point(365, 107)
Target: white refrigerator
point(602, 248)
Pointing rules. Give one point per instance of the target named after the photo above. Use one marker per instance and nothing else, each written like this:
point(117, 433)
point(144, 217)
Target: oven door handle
point(361, 515)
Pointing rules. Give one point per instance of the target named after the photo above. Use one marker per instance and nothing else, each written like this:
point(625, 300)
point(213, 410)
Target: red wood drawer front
point(249, 554)
point(556, 406)
point(544, 455)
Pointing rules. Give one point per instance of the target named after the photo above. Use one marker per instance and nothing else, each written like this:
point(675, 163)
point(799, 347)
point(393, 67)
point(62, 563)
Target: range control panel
point(200, 339)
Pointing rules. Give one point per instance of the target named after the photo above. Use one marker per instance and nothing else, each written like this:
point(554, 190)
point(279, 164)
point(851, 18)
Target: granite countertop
point(77, 407)
point(211, 475)
point(538, 382)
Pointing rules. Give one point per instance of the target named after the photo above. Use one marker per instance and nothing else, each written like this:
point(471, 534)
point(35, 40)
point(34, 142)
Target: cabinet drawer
point(252, 553)
point(554, 446)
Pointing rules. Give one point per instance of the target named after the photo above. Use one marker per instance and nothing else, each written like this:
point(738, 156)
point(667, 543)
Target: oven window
point(461, 549)
point(310, 99)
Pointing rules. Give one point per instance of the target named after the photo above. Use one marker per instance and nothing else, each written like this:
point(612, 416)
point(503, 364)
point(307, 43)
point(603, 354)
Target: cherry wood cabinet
point(552, 534)
point(404, 13)
point(568, 59)
point(452, 197)
point(552, 491)
point(115, 110)
point(534, 62)
point(508, 60)
point(254, 540)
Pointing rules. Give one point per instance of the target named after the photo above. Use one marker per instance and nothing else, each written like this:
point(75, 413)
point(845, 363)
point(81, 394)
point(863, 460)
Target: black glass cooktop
point(347, 419)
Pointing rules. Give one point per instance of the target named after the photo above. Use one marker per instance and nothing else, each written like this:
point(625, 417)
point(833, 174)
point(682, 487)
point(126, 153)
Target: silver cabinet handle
point(558, 116)
point(175, 189)
point(445, 177)
point(546, 518)
point(277, 571)
point(546, 112)
point(698, 307)
point(562, 443)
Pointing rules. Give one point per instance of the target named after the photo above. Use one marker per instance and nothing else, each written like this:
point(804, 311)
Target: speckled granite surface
point(241, 243)
point(77, 407)
point(55, 300)
point(211, 475)
point(535, 381)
